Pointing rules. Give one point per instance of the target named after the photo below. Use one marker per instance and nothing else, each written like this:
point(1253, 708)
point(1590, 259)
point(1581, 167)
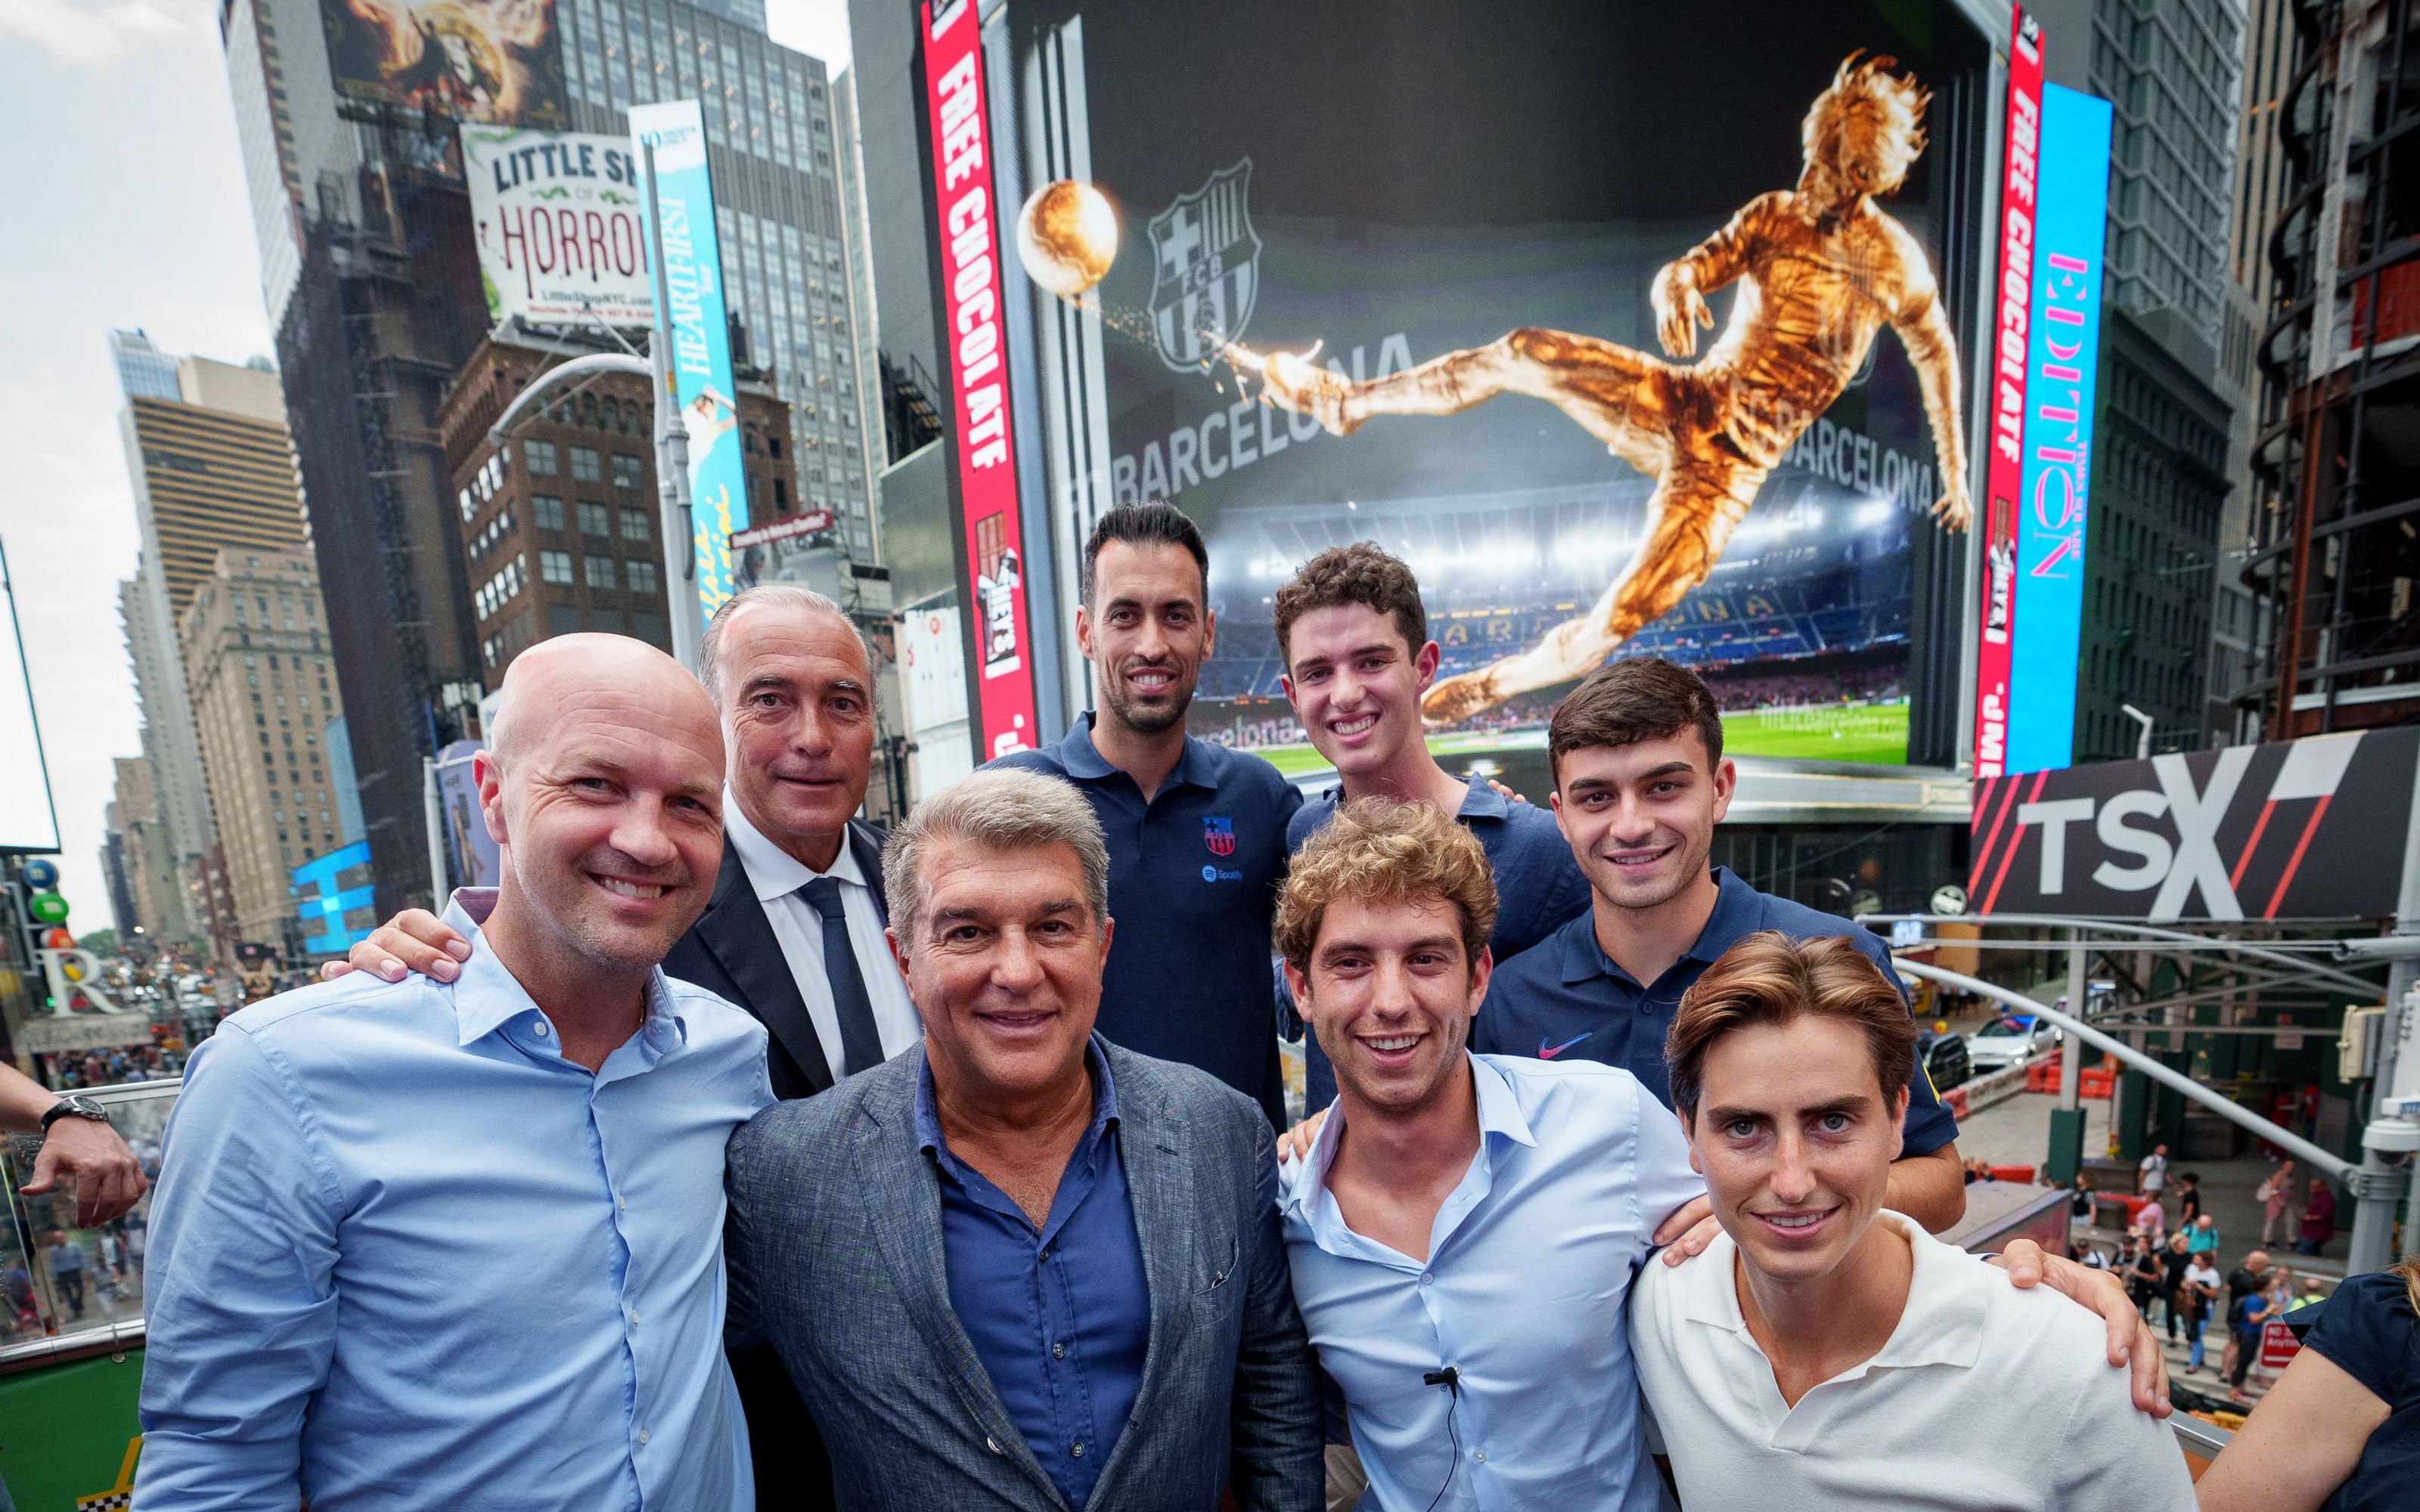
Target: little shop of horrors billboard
point(1635, 329)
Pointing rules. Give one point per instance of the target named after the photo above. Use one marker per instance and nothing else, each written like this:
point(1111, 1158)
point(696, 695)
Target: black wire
point(1453, 1389)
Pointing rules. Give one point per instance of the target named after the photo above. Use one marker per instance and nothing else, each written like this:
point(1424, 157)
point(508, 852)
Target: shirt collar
point(1500, 1113)
point(487, 997)
point(1941, 1324)
point(1082, 759)
point(928, 1116)
point(1480, 801)
point(772, 872)
point(1737, 913)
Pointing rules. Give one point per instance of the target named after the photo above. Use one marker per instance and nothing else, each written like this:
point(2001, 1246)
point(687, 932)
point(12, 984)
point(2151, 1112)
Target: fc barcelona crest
point(1205, 267)
point(1220, 835)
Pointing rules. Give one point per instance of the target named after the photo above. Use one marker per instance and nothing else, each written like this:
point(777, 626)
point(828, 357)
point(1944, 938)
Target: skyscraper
point(256, 660)
point(779, 193)
point(2171, 70)
point(209, 464)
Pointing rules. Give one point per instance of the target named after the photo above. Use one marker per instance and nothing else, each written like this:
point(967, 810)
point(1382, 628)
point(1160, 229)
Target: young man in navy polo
point(1357, 655)
point(1197, 831)
point(1640, 781)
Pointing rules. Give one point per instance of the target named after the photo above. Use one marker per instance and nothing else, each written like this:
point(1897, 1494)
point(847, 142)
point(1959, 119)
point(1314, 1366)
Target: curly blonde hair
point(1377, 850)
point(1888, 106)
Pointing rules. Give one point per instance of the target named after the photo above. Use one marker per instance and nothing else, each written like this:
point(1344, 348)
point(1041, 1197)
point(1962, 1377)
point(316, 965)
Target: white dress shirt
point(777, 876)
point(1529, 1262)
point(1983, 1397)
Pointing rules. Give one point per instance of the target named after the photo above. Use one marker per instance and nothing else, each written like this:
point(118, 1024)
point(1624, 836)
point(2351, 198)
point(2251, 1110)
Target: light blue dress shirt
point(403, 1254)
point(1530, 1264)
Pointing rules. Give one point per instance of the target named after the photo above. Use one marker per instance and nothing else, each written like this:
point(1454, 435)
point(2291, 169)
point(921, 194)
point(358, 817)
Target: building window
point(635, 526)
point(594, 520)
point(626, 471)
point(601, 572)
point(772, 445)
point(641, 576)
point(586, 466)
point(549, 512)
point(539, 457)
point(554, 566)
point(781, 496)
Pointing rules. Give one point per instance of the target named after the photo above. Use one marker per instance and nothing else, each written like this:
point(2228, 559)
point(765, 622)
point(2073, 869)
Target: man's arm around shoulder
point(241, 1305)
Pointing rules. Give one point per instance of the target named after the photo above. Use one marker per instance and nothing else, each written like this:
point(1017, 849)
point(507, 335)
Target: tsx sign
point(2301, 829)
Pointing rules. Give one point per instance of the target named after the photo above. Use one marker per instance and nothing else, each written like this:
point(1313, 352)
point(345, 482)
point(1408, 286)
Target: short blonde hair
point(1377, 850)
point(1769, 979)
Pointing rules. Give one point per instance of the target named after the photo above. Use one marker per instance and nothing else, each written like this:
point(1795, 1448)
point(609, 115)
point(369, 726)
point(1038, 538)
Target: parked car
point(1944, 1057)
point(2011, 1039)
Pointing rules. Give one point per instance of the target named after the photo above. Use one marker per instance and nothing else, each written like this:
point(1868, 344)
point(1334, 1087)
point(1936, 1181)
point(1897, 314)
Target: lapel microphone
point(1449, 1378)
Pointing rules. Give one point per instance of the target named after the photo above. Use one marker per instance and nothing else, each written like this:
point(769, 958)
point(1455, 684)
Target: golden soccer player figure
point(1820, 269)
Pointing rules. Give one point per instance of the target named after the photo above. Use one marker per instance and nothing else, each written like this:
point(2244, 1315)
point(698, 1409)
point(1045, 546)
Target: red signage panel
point(969, 248)
point(2012, 298)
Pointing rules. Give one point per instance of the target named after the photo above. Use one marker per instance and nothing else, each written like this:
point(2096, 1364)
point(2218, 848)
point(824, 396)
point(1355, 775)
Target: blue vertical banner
point(2063, 349)
point(693, 319)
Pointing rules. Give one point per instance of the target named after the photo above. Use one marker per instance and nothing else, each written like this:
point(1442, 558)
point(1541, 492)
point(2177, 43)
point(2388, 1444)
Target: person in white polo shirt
point(1825, 1352)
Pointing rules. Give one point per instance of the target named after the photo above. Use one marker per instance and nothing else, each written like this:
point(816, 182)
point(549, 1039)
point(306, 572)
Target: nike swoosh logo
point(1547, 1051)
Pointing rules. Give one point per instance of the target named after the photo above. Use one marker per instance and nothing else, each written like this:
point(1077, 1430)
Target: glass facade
point(769, 115)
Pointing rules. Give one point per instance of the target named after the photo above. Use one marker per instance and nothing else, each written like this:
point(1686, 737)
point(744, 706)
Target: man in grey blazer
point(1016, 1267)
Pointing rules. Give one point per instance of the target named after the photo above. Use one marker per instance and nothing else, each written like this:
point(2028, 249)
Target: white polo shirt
point(1984, 1397)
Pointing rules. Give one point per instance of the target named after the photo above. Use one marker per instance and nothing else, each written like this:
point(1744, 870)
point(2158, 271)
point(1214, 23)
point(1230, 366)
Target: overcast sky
point(130, 213)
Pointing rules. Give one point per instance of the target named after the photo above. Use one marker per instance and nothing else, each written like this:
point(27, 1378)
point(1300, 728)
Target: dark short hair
point(1155, 523)
point(1622, 702)
point(1357, 574)
point(1769, 979)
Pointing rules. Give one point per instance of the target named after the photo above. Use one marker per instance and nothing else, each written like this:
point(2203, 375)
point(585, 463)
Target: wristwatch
point(72, 1106)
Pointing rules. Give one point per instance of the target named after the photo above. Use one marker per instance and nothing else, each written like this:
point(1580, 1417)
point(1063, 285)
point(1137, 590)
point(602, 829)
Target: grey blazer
point(834, 1254)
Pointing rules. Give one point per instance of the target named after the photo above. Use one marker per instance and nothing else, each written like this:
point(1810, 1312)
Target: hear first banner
point(695, 323)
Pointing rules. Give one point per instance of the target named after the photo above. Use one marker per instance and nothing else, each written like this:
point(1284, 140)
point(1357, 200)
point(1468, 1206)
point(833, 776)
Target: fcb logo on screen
point(1205, 269)
point(1220, 835)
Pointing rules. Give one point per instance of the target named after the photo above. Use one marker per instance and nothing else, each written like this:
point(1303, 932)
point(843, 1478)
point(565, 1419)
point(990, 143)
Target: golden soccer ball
point(1067, 237)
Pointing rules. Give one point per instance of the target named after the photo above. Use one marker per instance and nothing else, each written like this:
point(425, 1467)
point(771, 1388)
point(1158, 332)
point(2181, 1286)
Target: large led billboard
point(499, 62)
point(27, 821)
point(1635, 329)
point(2063, 353)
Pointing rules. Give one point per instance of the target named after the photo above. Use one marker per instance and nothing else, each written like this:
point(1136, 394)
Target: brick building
point(562, 527)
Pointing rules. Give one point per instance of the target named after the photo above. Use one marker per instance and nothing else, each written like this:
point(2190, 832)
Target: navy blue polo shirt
point(1193, 887)
point(1567, 1000)
point(1538, 885)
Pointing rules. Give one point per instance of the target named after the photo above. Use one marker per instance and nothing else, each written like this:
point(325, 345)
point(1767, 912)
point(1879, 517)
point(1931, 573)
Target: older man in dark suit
point(1019, 1267)
point(793, 932)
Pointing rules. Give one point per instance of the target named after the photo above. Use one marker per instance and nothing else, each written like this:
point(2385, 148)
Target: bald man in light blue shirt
point(458, 1244)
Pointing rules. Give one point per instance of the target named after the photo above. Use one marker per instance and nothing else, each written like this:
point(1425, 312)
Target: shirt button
point(1427, 1279)
point(643, 1437)
point(1046, 1255)
point(634, 1315)
point(991, 1443)
point(1480, 1455)
point(1057, 1352)
point(1077, 1448)
point(540, 1029)
point(621, 1203)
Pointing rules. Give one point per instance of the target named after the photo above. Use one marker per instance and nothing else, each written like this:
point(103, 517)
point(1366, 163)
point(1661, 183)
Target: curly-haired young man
point(1464, 1232)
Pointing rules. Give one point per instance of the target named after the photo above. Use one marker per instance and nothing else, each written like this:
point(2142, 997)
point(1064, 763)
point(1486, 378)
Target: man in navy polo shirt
point(1641, 783)
point(1357, 653)
point(1195, 831)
